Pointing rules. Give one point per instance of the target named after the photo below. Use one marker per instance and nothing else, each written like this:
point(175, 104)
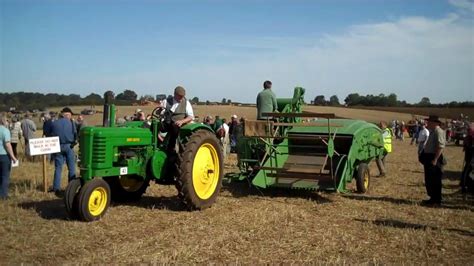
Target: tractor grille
point(99, 150)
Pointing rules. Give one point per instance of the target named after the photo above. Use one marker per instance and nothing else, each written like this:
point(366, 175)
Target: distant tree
point(425, 101)
point(353, 99)
point(334, 101)
point(93, 99)
point(208, 102)
point(127, 95)
point(319, 100)
point(392, 99)
point(195, 100)
point(229, 101)
point(224, 101)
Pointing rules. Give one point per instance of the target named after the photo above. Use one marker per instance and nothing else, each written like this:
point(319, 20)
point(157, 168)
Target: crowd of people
point(16, 132)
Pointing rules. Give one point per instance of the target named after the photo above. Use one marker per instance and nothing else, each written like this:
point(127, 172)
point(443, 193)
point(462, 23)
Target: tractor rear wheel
point(363, 178)
point(127, 188)
point(70, 198)
point(93, 200)
point(200, 170)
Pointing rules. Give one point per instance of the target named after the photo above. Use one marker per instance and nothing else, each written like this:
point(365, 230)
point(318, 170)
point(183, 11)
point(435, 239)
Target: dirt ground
point(248, 225)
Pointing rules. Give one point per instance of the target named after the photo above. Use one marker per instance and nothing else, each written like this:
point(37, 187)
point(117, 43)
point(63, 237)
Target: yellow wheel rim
point(131, 184)
point(97, 201)
point(366, 180)
point(205, 171)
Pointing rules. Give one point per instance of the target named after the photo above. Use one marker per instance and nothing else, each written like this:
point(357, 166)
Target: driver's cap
point(180, 91)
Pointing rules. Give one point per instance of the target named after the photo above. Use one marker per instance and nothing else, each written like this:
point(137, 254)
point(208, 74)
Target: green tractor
point(118, 162)
point(296, 149)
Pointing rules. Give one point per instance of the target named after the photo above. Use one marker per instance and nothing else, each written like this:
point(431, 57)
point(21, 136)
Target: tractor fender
point(188, 129)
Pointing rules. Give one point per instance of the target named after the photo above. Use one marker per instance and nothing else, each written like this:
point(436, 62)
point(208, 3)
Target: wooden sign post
point(44, 146)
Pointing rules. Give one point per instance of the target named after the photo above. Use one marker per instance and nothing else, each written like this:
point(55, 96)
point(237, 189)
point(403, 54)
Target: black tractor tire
point(93, 200)
point(120, 193)
point(362, 178)
point(190, 187)
point(70, 198)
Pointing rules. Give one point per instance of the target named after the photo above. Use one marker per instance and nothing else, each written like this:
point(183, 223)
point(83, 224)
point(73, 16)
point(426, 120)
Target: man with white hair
point(28, 128)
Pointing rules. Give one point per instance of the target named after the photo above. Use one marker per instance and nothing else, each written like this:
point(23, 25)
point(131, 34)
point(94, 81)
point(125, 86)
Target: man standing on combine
point(266, 101)
point(178, 112)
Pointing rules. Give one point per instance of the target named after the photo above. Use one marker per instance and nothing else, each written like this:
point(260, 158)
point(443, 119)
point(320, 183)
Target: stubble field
point(248, 225)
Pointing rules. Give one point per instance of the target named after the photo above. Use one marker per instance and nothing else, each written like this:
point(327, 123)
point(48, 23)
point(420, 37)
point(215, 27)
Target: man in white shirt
point(225, 139)
point(423, 135)
point(178, 112)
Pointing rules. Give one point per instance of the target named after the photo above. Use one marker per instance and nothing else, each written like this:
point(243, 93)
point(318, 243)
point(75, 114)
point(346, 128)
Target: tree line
point(30, 100)
point(391, 100)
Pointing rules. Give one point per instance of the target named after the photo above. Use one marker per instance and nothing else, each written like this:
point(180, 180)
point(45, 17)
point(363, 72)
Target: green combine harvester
point(117, 162)
point(296, 149)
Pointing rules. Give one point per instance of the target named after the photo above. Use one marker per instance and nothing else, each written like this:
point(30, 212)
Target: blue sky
point(226, 49)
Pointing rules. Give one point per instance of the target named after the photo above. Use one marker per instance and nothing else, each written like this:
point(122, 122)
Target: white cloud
point(412, 57)
point(463, 4)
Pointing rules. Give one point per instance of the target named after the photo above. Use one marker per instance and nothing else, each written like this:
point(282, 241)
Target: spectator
point(47, 125)
point(433, 161)
point(387, 145)
point(468, 144)
point(80, 123)
point(266, 101)
point(137, 115)
point(6, 157)
point(208, 120)
point(65, 129)
point(232, 132)
point(225, 138)
point(15, 133)
point(28, 128)
point(422, 138)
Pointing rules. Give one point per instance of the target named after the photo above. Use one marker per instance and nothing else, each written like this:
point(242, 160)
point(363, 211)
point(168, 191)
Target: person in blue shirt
point(6, 157)
point(65, 129)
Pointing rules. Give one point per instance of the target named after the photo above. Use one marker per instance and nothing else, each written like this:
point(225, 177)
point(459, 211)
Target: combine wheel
point(93, 200)
point(363, 178)
point(200, 170)
point(127, 188)
point(70, 198)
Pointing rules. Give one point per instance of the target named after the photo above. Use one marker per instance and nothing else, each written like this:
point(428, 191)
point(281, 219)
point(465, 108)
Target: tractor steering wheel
point(156, 113)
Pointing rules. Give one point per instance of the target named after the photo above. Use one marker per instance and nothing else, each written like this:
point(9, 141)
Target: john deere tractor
point(118, 162)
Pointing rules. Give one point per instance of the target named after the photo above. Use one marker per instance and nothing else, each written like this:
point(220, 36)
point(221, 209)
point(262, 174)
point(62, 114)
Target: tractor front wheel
point(363, 178)
point(93, 200)
point(200, 170)
point(70, 198)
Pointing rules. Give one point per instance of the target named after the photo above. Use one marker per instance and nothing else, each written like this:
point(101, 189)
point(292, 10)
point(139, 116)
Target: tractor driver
point(178, 112)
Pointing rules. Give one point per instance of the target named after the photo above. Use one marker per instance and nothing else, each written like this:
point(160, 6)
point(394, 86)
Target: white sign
point(123, 170)
point(44, 146)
